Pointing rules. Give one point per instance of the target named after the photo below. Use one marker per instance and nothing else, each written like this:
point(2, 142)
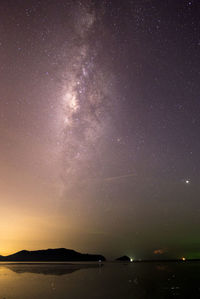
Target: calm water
point(111, 281)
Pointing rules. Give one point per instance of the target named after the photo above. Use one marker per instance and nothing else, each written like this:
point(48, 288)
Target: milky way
point(87, 98)
point(99, 126)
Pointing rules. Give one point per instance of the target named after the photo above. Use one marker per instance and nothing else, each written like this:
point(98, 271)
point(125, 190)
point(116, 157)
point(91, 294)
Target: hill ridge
point(52, 254)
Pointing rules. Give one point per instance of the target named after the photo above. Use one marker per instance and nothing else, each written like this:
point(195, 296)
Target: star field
point(99, 125)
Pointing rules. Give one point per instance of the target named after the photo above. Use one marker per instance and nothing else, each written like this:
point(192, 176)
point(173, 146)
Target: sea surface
point(102, 281)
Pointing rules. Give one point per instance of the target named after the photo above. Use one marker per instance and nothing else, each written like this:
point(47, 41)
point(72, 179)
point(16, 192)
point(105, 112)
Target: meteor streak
point(119, 177)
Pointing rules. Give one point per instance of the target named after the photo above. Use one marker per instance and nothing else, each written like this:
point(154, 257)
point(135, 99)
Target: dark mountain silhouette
point(58, 254)
point(123, 259)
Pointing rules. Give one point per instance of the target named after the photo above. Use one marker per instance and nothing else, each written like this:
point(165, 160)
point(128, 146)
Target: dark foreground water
point(111, 281)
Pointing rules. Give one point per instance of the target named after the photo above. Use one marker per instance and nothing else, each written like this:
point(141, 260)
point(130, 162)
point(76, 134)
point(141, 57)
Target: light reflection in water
point(74, 281)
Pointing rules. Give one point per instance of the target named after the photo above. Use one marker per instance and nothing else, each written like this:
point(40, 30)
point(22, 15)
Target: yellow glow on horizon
point(27, 230)
point(33, 229)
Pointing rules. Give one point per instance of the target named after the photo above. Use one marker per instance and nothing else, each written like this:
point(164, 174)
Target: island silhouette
point(51, 255)
point(123, 258)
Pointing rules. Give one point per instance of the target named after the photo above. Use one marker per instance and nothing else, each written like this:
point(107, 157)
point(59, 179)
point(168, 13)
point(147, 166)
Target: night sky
point(100, 127)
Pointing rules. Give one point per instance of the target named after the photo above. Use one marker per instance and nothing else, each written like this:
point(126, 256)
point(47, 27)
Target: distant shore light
point(183, 259)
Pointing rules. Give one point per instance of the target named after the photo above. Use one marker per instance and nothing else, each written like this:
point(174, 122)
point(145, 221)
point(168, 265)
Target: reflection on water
point(49, 268)
point(74, 281)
